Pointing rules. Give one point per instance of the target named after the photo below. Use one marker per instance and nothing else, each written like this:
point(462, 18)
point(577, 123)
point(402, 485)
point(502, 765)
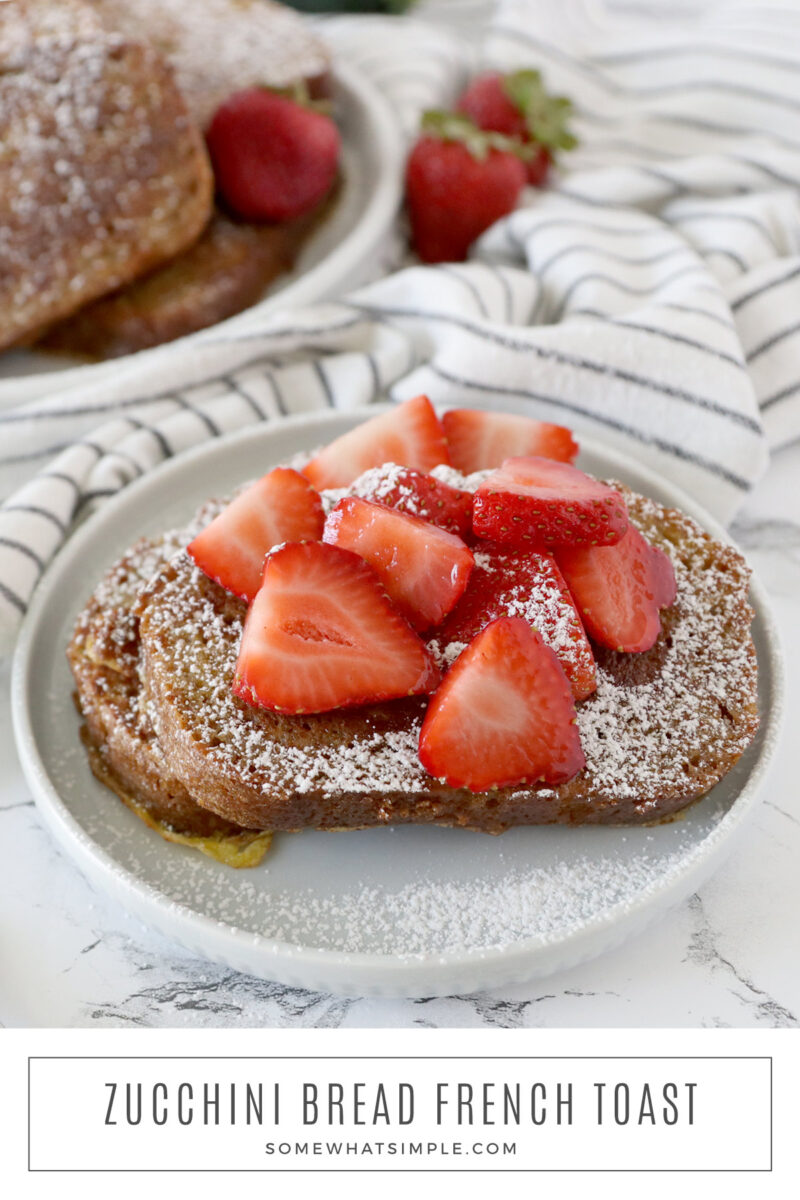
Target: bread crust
point(123, 751)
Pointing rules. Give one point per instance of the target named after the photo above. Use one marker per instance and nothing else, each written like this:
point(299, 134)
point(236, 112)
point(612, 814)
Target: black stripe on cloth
point(244, 395)
point(12, 598)
point(773, 341)
point(783, 394)
point(604, 369)
point(505, 287)
point(615, 88)
point(718, 128)
point(277, 394)
point(765, 287)
point(32, 455)
point(600, 146)
point(84, 410)
point(372, 363)
point(582, 65)
point(62, 478)
point(127, 458)
point(743, 218)
point(37, 511)
point(677, 187)
point(581, 223)
point(156, 434)
point(705, 50)
point(604, 252)
point(97, 494)
point(566, 193)
point(453, 273)
point(291, 332)
point(735, 258)
point(703, 125)
point(325, 383)
point(211, 425)
point(700, 312)
point(601, 419)
point(46, 451)
point(770, 172)
point(629, 289)
point(657, 331)
point(21, 548)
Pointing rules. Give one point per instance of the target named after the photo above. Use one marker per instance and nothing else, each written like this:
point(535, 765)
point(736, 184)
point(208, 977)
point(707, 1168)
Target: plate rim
point(383, 203)
point(410, 974)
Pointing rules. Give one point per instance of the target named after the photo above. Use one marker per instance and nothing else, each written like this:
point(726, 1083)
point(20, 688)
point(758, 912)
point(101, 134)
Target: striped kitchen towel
point(650, 297)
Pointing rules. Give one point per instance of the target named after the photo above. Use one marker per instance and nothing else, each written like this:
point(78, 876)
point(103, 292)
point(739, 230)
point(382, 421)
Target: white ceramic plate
point(405, 911)
point(332, 260)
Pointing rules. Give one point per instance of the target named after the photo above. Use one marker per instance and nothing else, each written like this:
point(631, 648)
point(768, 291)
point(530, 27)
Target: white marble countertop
point(728, 957)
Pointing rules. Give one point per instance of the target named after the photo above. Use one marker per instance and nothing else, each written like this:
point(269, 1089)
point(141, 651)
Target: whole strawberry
point(518, 106)
point(273, 158)
point(459, 181)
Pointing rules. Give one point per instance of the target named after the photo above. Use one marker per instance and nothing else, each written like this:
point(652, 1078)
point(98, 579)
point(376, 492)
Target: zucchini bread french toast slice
point(103, 171)
point(661, 729)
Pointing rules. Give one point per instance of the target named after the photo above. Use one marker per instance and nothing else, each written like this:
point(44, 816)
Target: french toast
point(661, 729)
point(216, 48)
point(222, 46)
point(226, 271)
point(123, 751)
point(103, 172)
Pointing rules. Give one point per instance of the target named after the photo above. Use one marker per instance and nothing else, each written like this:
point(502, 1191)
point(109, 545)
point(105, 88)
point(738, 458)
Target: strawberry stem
point(546, 116)
point(456, 127)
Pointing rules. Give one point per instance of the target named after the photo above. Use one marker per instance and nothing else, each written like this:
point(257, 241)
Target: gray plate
point(406, 911)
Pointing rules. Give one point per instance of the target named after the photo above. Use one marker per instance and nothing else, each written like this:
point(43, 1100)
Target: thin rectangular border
point(400, 1170)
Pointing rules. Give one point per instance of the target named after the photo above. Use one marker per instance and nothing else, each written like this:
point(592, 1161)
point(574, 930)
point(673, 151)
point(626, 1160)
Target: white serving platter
point(409, 911)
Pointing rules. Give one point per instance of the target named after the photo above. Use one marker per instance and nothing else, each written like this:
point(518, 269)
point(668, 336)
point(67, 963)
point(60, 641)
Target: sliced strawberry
point(504, 714)
point(409, 434)
point(509, 582)
point(280, 507)
point(540, 502)
point(618, 590)
point(479, 440)
point(420, 495)
point(322, 634)
point(423, 568)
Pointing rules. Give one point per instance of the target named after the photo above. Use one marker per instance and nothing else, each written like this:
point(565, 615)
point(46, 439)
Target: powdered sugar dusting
point(217, 47)
point(103, 173)
point(667, 723)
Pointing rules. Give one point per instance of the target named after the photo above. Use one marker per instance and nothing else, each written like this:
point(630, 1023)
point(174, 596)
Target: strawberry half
point(479, 440)
point(409, 434)
point(504, 714)
point(419, 495)
point(322, 634)
point(541, 502)
point(508, 582)
point(619, 590)
point(423, 568)
point(280, 507)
